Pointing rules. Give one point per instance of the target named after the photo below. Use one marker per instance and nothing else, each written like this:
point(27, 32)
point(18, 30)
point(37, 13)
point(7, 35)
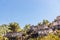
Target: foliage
point(4, 29)
point(14, 27)
point(50, 37)
point(27, 26)
point(46, 22)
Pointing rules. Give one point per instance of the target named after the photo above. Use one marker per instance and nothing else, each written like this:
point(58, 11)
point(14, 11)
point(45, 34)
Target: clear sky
point(28, 11)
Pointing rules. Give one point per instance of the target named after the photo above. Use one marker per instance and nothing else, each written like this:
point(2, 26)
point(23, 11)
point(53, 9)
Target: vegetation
point(28, 32)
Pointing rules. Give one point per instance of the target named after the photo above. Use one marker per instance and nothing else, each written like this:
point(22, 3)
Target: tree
point(39, 23)
point(46, 22)
point(14, 27)
point(4, 29)
point(27, 26)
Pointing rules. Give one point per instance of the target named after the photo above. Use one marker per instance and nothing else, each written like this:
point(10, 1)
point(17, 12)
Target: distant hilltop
point(13, 30)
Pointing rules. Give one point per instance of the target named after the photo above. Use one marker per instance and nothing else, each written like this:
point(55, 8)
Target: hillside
point(42, 31)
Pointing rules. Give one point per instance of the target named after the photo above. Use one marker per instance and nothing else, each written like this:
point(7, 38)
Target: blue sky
point(28, 11)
